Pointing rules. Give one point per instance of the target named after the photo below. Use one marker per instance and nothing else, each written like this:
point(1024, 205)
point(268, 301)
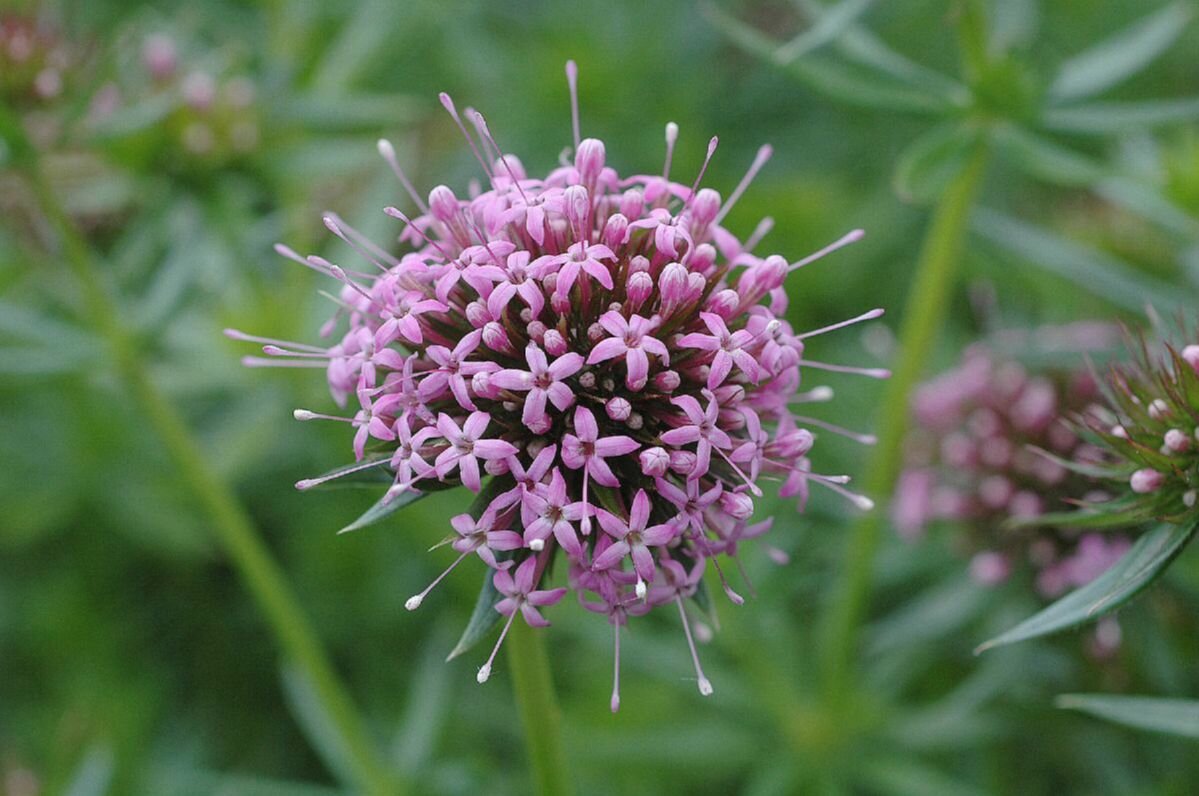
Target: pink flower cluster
point(978, 457)
point(600, 348)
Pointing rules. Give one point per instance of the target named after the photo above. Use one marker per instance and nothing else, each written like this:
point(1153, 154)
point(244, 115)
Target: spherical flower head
point(594, 356)
point(991, 453)
point(1151, 433)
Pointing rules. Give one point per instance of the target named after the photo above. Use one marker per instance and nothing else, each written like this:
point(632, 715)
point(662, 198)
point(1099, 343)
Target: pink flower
point(467, 448)
point(631, 339)
point(632, 539)
point(728, 349)
point(543, 382)
point(701, 428)
point(586, 449)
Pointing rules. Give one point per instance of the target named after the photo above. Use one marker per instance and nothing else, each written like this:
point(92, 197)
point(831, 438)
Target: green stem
point(923, 316)
point(232, 525)
point(533, 685)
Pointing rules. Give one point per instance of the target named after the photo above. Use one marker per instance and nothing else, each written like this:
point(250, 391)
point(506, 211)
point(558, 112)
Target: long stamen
point(764, 153)
point(276, 351)
point(864, 439)
point(865, 316)
point(851, 237)
point(672, 136)
point(485, 132)
point(259, 362)
point(874, 373)
point(337, 273)
point(388, 153)
point(821, 394)
point(290, 253)
point(752, 486)
point(448, 104)
point(572, 82)
point(702, 169)
point(370, 249)
point(861, 501)
point(395, 213)
point(304, 415)
point(745, 577)
point(705, 685)
point(485, 669)
point(308, 483)
point(616, 667)
point(760, 231)
point(334, 226)
point(236, 334)
point(413, 602)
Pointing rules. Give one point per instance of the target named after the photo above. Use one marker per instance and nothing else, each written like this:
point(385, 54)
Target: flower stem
point(533, 685)
point(230, 522)
point(923, 318)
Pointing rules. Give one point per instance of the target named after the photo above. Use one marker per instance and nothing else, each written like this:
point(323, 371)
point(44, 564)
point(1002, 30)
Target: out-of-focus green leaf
point(1096, 272)
point(426, 712)
point(1013, 23)
point(370, 113)
point(188, 781)
point(316, 725)
point(830, 24)
point(94, 775)
point(1139, 567)
point(932, 614)
point(931, 161)
point(1149, 203)
point(909, 777)
point(1121, 56)
point(830, 77)
point(383, 508)
point(1170, 716)
point(361, 40)
point(1046, 160)
point(1110, 118)
point(482, 619)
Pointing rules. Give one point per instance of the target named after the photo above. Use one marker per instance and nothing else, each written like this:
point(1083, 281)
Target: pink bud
point(738, 505)
point(481, 385)
point(995, 491)
point(990, 568)
point(632, 204)
point(496, 338)
point(595, 333)
point(554, 343)
point(577, 204)
point(667, 381)
point(654, 462)
point(1146, 480)
point(672, 287)
point(443, 204)
point(638, 264)
point(724, 303)
point(159, 56)
point(536, 331)
point(638, 288)
point(496, 466)
point(794, 444)
point(477, 314)
point(199, 91)
point(560, 303)
point(705, 207)
point(1158, 409)
point(1177, 440)
point(589, 160)
point(702, 259)
point(1190, 355)
point(696, 284)
point(614, 231)
point(618, 408)
point(683, 462)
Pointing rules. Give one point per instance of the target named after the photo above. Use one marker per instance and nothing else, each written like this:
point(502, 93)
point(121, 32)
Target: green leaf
point(1013, 23)
point(1045, 160)
point(933, 614)
point(930, 162)
point(316, 725)
point(1096, 272)
point(1110, 118)
point(1139, 567)
point(1170, 716)
point(1118, 58)
point(382, 509)
point(837, 80)
point(830, 24)
point(482, 619)
point(899, 776)
point(348, 112)
point(362, 40)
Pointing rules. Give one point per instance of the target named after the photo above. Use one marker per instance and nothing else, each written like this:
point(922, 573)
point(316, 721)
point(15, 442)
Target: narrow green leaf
point(360, 42)
point(316, 724)
point(482, 619)
point(896, 776)
point(1096, 272)
point(829, 25)
point(835, 79)
point(382, 509)
point(1170, 716)
point(1121, 56)
point(930, 162)
point(1013, 23)
point(1139, 567)
point(348, 112)
point(1111, 118)
point(933, 614)
point(1043, 159)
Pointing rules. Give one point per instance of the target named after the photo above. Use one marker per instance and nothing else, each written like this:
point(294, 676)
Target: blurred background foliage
point(132, 659)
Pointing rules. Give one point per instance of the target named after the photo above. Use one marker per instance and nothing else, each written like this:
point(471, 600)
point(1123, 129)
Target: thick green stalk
point(924, 314)
point(230, 522)
point(533, 685)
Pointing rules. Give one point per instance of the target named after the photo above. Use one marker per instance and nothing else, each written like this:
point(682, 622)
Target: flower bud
point(614, 231)
point(654, 462)
point(683, 462)
point(672, 287)
point(667, 381)
point(536, 331)
point(1158, 409)
point(638, 288)
point(1190, 355)
point(703, 259)
point(990, 568)
point(705, 207)
point(632, 203)
point(443, 204)
point(589, 160)
point(480, 385)
point(1146, 481)
point(554, 343)
point(159, 56)
point(738, 505)
point(477, 314)
point(618, 408)
point(724, 303)
point(199, 91)
point(495, 337)
point(1177, 441)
